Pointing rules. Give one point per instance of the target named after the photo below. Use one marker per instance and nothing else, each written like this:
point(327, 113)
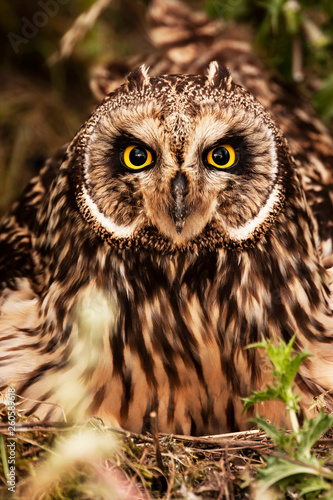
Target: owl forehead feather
point(217, 76)
point(138, 78)
point(176, 100)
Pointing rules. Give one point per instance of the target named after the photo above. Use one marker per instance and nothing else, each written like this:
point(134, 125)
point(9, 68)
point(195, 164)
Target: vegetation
point(295, 37)
point(293, 468)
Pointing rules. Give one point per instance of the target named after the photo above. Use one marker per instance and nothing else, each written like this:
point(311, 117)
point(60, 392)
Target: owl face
point(177, 160)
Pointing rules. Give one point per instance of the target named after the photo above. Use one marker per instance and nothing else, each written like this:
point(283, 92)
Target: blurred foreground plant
point(294, 469)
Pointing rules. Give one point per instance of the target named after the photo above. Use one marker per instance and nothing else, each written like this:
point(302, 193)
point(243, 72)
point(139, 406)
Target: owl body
point(171, 233)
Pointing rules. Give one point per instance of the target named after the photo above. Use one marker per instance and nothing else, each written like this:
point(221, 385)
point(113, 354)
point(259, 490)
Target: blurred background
point(49, 49)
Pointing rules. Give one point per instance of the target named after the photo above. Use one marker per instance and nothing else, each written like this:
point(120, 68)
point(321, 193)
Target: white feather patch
point(108, 224)
point(212, 70)
point(243, 232)
point(145, 73)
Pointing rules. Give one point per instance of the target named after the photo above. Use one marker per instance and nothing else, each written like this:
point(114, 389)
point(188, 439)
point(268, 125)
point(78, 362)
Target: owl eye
point(222, 156)
point(136, 157)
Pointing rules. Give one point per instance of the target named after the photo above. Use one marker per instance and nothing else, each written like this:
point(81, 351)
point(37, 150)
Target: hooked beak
point(181, 210)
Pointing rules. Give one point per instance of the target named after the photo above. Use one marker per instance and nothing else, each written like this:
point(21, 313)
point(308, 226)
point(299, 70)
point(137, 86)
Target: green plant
point(295, 38)
point(294, 469)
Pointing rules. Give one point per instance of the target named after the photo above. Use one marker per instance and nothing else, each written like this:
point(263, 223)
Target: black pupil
point(138, 156)
point(221, 156)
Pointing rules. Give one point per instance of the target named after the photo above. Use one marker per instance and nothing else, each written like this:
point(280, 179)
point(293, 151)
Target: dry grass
point(89, 460)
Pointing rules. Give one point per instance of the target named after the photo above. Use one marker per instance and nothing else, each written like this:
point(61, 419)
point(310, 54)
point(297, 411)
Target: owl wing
point(18, 261)
point(21, 277)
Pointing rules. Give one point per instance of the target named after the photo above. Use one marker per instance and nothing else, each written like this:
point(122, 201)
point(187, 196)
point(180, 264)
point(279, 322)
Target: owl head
point(179, 162)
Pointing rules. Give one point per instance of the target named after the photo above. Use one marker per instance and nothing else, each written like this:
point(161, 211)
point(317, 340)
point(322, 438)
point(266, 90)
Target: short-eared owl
point(174, 230)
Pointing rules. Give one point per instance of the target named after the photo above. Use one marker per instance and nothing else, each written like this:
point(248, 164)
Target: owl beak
point(181, 210)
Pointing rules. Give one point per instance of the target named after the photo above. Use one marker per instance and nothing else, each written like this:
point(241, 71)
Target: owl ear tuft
point(138, 78)
point(218, 76)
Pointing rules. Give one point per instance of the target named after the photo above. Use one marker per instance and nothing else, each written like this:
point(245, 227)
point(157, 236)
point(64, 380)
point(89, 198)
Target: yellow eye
point(222, 156)
point(137, 157)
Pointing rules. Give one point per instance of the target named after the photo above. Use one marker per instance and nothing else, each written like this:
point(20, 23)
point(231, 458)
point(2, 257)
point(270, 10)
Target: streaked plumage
point(167, 273)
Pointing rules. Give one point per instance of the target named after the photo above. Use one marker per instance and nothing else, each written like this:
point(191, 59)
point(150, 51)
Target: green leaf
point(311, 432)
point(313, 484)
point(269, 394)
point(274, 11)
point(323, 98)
point(262, 345)
point(285, 370)
point(278, 469)
point(271, 430)
point(281, 358)
point(292, 16)
point(241, 9)
point(329, 495)
point(290, 367)
point(297, 470)
point(282, 361)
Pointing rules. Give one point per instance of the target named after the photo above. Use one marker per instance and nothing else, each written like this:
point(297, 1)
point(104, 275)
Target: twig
point(217, 437)
point(78, 30)
point(297, 59)
point(171, 474)
point(232, 443)
point(154, 431)
point(225, 485)
point(253, 432)
point(4, 457)
point(229, 477)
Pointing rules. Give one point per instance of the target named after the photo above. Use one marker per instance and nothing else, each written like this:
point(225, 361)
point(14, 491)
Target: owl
point(179, 225)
